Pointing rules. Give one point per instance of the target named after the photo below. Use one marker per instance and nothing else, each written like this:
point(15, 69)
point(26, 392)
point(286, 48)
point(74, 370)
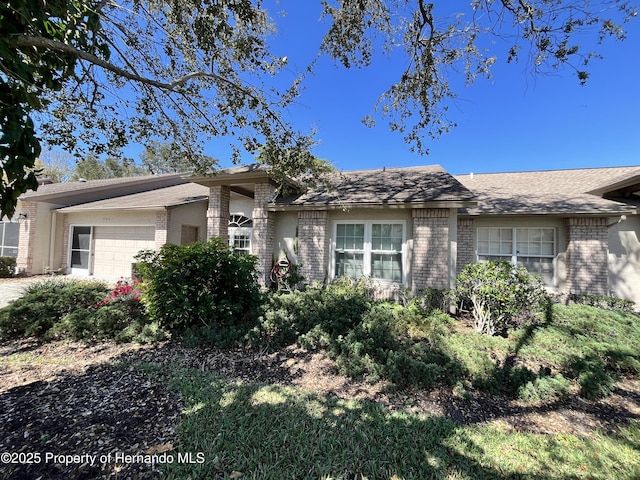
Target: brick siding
point(466, 246)
point(587, 249)
point(26, 240)
point(218, 212)
point(312, 240)
point(263, 230)
point(162, 226)
point(430, 264)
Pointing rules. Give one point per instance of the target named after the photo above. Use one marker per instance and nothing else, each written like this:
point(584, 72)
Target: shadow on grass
point(270, 431)
point(277, 432)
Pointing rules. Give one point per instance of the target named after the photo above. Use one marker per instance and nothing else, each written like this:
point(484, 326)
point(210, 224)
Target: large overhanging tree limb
point(101, 74)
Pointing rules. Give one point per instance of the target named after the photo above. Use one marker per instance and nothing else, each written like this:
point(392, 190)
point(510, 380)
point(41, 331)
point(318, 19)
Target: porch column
point(587, 255)
point(263, 230)
point(466, 247)
point(430, 262)
point(312, 245)
point(27, 238)
point(218, 213)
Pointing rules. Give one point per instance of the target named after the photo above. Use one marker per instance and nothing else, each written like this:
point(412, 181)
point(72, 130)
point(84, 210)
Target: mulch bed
point(67, 398)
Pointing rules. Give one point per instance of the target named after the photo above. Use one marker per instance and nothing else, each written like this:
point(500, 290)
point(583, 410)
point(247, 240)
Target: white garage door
point(115, 247)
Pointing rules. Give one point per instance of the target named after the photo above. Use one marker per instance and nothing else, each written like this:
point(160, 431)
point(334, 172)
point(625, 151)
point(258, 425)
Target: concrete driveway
point(12, 288)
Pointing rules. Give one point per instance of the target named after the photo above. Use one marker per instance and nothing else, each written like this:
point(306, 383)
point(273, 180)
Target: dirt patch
point(66, 398)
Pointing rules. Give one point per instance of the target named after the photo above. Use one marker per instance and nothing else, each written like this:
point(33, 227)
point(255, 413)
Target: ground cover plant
point(79, 310)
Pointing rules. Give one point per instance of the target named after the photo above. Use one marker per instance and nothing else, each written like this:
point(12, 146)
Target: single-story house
point(404, 227)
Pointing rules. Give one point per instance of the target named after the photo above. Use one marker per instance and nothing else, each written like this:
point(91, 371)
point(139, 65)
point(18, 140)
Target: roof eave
point(371, 205)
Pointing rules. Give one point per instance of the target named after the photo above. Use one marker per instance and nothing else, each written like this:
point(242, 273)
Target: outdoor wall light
point(22, 217)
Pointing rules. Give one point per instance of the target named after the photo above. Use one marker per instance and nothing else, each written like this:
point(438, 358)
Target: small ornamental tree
point(498, 293)
point(201, 291)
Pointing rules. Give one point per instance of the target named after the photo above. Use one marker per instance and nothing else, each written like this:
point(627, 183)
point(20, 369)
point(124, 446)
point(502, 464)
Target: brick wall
point(218, 212)
point(312, 244)
point(430, 263)
point(466, 246)
point(162, 226)
point(587, 248)
point(263, 230)
point(26, 240)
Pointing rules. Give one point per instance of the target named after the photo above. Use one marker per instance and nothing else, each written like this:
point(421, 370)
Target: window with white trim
point(9, 236)
point(530, 247)
point(373, 249)
point(240, 230)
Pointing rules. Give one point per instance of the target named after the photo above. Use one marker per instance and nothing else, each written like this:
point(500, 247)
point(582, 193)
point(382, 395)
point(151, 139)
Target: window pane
point(349, 264)
point(79, 259)
point(9, 251)
point(350, 236)
point(547, 249)
point(387, 266)
point(540, 266)
point(522, 248)
point(547, 235)
point(11, 234)
point(81, 238)
point(483, 235)
point(386, 236)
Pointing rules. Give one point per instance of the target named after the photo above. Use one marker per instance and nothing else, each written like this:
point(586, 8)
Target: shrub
point(45, 304)
point(394, 343)
point(201, 292)
point(314, 315)
point(78, 310)
point(498, 293)
point(7, 267)
point(544, 388)
point(602, 301)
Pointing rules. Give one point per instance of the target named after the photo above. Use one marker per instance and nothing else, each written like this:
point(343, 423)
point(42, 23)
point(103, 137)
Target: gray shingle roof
point(75, 193)
point(152, 199)
point(548, 192)
point(388, 186)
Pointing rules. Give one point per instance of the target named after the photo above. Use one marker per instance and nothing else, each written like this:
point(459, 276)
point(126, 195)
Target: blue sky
point(512, 122)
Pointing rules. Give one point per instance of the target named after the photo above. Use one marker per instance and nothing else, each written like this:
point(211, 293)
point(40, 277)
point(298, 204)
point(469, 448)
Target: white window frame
point(368, 251)
point(512, 257)
point(3, 235)
point(240, 226)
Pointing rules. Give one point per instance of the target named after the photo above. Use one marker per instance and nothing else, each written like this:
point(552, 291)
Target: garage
point(114, 249)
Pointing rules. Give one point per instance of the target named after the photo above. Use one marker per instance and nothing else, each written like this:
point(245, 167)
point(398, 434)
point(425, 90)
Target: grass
point(275, 432)
point(21, 358)
point(590, 346)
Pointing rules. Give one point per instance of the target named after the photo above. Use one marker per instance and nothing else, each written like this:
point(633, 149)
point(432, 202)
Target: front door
point(80, 250)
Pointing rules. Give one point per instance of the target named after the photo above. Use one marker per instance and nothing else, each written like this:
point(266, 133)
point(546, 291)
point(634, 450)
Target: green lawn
point(274, 432)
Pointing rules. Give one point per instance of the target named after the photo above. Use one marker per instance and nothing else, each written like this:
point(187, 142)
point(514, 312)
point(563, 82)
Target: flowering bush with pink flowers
point(124, 290)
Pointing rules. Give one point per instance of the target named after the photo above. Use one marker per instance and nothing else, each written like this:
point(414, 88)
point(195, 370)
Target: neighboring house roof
point(429, 185)
point(558, 192)
point(150, 200)
point(71, 193)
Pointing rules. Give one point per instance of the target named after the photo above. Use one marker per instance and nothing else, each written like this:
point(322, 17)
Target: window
point(532, 248)
point(371, 249)
point(9, 235)
point(240, 230)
